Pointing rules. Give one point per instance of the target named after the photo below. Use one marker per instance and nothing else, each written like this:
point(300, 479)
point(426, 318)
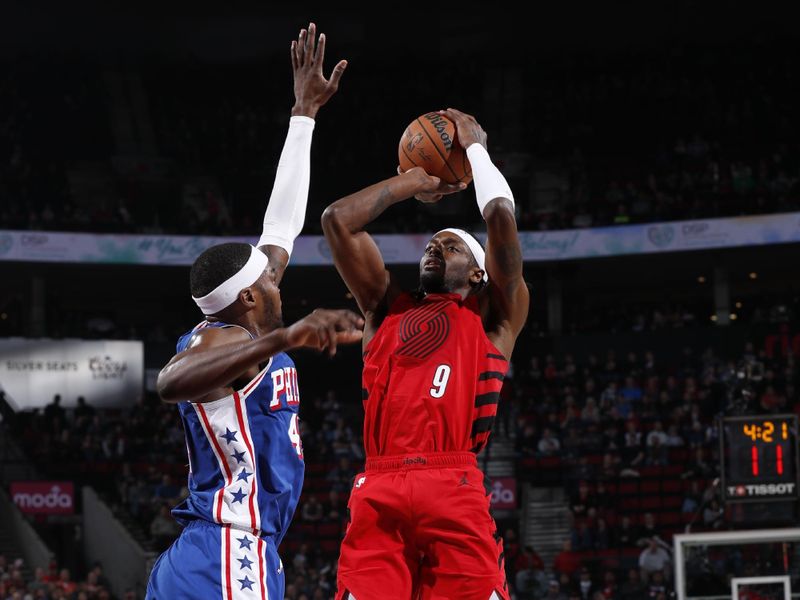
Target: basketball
point(430, 142)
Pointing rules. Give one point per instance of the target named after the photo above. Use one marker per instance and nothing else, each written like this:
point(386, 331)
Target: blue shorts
point(208, 561)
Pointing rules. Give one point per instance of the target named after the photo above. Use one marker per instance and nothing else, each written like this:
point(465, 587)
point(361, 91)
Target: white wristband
point(286, 211)
point(489, 181)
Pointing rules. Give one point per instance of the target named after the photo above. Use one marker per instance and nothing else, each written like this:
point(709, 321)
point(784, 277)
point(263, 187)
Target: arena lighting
point(733, 316)
point(701, 279)
point(713, 317)
point(753, 275)
point(738, 305)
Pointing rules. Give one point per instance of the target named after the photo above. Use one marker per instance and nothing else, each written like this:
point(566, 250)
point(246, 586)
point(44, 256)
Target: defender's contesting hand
point(311, 89)
point(323, 329)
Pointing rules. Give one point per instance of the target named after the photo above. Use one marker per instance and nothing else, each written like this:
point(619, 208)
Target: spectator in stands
point(657, 453)
point(700, 468)
point(633, 588)
point(632, 455)
point(626, 534)
point(84, 411)
point(649, 530)
point(581, 501)
point(54, 415)
point(549, 445)
point(581, 536)
point(341, 476)
point(713, 514)
point(512, 550)
point(335, 506)
point(600, 534)
point(65, 584)
point(586, 587)
point(554, 591)
point(674, 439)
point(653, 559)
point(526, 444)
point(566, 561)
point(312, 510)
point(163, 528)
point(657, 585)
point(692, 498)
point(530, 579)
point(166, 491)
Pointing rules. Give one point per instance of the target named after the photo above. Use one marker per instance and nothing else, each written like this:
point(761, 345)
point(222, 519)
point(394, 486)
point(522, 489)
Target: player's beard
point(432, 282)
point(274, 314)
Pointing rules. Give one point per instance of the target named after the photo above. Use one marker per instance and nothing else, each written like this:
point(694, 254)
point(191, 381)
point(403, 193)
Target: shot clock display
point(759, 457)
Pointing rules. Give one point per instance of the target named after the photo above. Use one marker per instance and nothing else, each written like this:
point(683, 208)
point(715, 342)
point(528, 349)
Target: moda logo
point(661, 235)
point(103, 367)
point(44, 497)
point(504, 493)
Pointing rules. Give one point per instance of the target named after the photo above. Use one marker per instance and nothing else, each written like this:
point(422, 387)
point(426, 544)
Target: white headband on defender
point(474, 246)
point(226, 292)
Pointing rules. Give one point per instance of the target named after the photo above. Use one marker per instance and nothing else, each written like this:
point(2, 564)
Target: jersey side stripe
point(224, 468)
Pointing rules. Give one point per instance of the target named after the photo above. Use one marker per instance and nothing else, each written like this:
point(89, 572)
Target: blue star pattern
point(244, 542)
point(243, 475)
point(239, 456)
point(230, 436)
point(246, 583)
point(239, 496)
point(245, 563)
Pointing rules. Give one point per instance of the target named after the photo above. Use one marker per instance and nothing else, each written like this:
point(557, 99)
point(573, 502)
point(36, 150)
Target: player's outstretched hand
point(432, 189)
point(468, 130)
point(311, 89)
point(324, 329)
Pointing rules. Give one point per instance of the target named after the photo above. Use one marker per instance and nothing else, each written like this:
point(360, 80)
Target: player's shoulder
point(213, 333)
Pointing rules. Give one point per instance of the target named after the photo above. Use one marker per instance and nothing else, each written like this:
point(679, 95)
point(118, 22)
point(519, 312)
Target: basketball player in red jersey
point(434, 363)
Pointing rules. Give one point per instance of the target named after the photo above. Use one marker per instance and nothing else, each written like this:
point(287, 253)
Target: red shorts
point(420, 528)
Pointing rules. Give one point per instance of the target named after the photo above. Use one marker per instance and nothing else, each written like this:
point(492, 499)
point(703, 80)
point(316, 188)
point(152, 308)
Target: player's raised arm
point(286, 211)
point(215, 358)
point(355, 253)
point(507, 292)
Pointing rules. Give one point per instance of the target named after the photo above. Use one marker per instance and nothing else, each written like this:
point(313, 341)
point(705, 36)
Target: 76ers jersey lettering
point(245, 453)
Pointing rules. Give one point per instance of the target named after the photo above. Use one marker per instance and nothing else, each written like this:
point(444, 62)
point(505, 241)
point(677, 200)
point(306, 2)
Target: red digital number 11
point(778, 460)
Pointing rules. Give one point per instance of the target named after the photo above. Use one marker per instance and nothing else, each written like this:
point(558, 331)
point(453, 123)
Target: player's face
point(446, 264)
point(268, 297)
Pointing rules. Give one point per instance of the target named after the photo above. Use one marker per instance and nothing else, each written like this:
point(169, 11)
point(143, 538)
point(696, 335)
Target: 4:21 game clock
point(759, 458)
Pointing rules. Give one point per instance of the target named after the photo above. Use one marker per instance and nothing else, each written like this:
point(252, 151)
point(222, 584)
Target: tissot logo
point(103, 367)
point(764, 489)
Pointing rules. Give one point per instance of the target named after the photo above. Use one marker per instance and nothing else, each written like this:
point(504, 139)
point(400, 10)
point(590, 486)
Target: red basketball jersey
point(431, 378)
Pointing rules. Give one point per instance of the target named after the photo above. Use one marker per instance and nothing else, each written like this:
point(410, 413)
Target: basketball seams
point(438, 150)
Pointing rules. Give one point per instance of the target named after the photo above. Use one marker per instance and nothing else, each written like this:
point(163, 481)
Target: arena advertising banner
point(44, 497)
point(504, 493)
point(106, 373)
point(568, 244)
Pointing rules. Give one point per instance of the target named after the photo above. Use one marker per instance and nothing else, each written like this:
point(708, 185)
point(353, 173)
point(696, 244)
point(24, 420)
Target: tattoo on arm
point(383, 202)
point(509, 259)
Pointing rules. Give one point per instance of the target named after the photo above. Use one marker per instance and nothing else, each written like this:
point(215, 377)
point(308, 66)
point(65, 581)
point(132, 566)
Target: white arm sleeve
point(286, 211)
point(489, 181)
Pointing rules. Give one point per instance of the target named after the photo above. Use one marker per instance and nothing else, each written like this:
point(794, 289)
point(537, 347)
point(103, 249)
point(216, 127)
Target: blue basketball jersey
point(245, 455)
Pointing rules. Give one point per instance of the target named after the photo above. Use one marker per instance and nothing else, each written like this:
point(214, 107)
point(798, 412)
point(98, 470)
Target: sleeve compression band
point(286, 211)
point(489, 181)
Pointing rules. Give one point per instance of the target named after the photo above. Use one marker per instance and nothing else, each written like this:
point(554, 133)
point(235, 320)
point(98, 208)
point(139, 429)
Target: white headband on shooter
point(226, 292)
point(474, 246)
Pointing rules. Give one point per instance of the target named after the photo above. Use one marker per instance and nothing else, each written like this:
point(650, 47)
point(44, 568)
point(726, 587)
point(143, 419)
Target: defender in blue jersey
point(237, 390)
